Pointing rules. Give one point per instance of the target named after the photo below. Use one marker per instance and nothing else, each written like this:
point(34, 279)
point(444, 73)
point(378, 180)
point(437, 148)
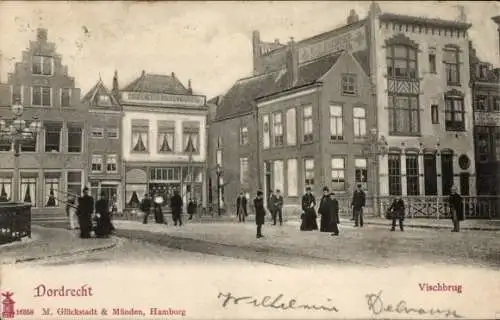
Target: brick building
point(314, 127)
point(105, 171)
point(163, 139)
point(485, 82)
point(57, 161)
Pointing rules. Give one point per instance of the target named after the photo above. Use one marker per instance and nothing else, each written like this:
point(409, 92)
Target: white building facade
point(164, 140)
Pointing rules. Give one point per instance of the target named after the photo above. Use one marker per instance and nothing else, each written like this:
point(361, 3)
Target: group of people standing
point(154, 205)
point(329, 210)
point(84, 210)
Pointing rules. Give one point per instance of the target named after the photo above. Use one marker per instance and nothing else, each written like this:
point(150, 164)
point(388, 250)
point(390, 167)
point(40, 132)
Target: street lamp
point(377, 147)
point(17, 130)
point(219, 173)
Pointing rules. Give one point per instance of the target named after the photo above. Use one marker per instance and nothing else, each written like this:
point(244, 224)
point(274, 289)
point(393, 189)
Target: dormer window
point(42, 65)
point(103, 98)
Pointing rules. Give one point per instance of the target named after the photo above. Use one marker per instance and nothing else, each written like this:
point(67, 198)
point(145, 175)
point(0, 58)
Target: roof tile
point(156, 83)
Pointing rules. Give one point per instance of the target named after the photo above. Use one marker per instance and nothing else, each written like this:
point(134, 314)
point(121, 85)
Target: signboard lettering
point(163, 98)
point(487, 119)
point(352, 41)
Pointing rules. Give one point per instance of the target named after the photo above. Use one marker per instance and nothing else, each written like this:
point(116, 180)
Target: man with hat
point(358, 202)
point(84, 212)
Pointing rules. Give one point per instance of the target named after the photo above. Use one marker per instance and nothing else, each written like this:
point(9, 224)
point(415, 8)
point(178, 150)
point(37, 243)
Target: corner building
point(420, 69)
point(57, 161)
point(163, 139)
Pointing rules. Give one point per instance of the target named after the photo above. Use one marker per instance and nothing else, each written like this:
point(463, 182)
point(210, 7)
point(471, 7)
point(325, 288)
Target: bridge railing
point(15, 221)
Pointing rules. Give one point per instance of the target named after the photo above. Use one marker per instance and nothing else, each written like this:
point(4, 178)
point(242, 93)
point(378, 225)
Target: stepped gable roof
point(99, 89)
point(242, 96)
point(157, 83)
point(4, 95)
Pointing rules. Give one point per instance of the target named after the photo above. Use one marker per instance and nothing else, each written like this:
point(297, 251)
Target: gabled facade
point(104, 142)
point(163, 140)
point(314, 133)
point(57, 162)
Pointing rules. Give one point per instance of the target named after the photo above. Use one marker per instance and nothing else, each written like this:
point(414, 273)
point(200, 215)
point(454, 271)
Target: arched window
point(401, 62)
point(451, 60)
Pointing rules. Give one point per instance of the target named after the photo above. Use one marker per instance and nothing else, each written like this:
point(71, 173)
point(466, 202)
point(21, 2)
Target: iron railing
point(15, 221)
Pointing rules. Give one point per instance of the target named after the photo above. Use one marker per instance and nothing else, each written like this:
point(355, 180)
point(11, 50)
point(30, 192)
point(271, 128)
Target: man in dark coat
point(457, 209)
point(334, 221)
point(277, 207)
point(176, 206)
point(84, 212)
point(103, 228)
point(358, 202)
point(325, 210)
point(241, 207)
point(397, 210)
point(260, 213)
point(146, 205)
point(309, 213)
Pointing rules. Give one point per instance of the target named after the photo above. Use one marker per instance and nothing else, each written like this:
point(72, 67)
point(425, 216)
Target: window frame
point(341, 181)
point(68, 133)
point(110, 160)
point(59, 143)
point(307, 170)
point(307, 136)
point(432, 63)
point(336, 121)
point(448, 64)
point(243, 136)
point(363, 172)
point(451, 109)
point(42, 58)
point(394, 174)
point(61, 91)
point(434, 114)
point(278, 132)
point(393, 109)
point(412, 174)
point(100, 162)
point(94, 130)
point(41, 96)
point(112, 129)
point(391, 61)
point(349, 80)
point(244, 173)
point(359, 122)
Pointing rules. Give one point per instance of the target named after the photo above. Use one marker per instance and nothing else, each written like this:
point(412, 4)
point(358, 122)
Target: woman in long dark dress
point(309, 213)
point(325, 210)
point(103, 228)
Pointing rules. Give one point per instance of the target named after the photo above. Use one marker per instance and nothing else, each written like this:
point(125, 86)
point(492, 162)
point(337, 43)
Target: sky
point(207, 42)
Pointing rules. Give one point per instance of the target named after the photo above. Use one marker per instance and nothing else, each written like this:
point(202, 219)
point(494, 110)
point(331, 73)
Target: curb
point(114, 243)
point(423, 226)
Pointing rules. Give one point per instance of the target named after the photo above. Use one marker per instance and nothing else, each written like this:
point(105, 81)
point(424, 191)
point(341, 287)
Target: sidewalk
point(476, 224)
point(50, 243)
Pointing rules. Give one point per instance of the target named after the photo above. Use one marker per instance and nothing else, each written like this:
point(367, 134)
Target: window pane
point(336, 111)
point(308, 111)
point(338, 163)
point(400, 52)
point(359, 112)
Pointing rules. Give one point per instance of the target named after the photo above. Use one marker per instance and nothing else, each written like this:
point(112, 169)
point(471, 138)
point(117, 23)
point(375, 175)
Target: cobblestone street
point(373, 245)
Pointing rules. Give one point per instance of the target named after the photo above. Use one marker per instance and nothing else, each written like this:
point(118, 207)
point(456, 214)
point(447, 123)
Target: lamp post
point(17, 130)
point(377, 147)
point(219, 173)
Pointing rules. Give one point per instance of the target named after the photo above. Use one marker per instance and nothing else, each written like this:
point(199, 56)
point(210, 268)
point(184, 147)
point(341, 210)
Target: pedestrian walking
point(357, 204)
point(146, 205)
point(397, 212)
point(84, 212)
point(260, 213)
point(241, 207)
point(191, 208)
point(334, 221)
point(103, 227)
point(325, 210)
point(176, 206)
point(277, 207)
point(455, 202)
point(308, 216)
point(158, 212)
point(71, 213)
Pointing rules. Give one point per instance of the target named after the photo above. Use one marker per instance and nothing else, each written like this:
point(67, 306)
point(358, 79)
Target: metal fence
point(15, 221)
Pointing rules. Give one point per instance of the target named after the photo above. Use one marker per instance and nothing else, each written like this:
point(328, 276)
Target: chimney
point(143, 73)
point(462, 17)
point(115, 90)
point(41, 34)
point(353, 17)
point(292, 63)
point(173, 75)
point(276, 41)
point(256, 52)
point(190, 90)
